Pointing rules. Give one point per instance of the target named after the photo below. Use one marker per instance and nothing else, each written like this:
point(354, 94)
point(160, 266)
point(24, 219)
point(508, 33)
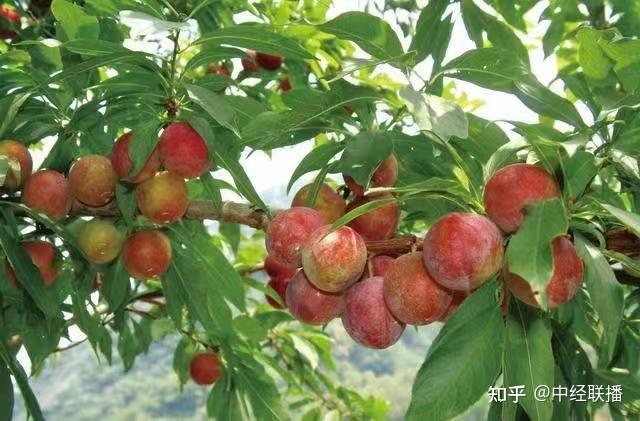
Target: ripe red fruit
point(11, 16)
point(411, 293)
point(44, 257)
point(222, 69)
point(93, 180)
point(276, 270)
point(279, 285)
point(100, 240)
point(146, 254)
point(285, 84)
point(49, 192)
point(378, 266)
point(163, 198)
point(310, 305)
point(463, 250)
point(334, 260)
point(514, 187)
point(289, 232)
point(183, 151)
point(329, 203)
point(458, 298)
point(19, 152)
point(205, 369)
point(122, 162)
point(378, 224)
point(249, 63)
point(385, 175)
point(568, 272)
point(268, 62)
point(366, 317)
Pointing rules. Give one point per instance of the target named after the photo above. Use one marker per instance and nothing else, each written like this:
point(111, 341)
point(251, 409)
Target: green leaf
point(74, 21)
point(94, 47)
point(606, 293)
point(543, 101)
point(185, 350)
point(443, 117)
point(231, 231)
point(429, 22)
point(630, 220)
point(116, 285)
point(143, 141)
point(126, 200)
point(224, 402)
point(6, 393)
point(372, 34)
point(529, 252)
point(361, 210)
point(628, 381)
point(579, 171)
point(528, 358)
point(258, 38)
point(463, 361)
point(305, 349)
point(82, 68)
point(212, 55)
point(318, 158)
point(593, 60)
point(9, 107)
point(363, 154)
point(215, 105)
point(30, 401)
point(260, 390)
point(212, 189)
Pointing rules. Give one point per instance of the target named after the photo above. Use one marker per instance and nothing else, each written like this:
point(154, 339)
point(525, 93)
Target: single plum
point(183, 151)
point(19, 152)
point(514, 187)
point(285, 84)
point(268, 62)
point(146, 254)
point(163, 198)
point(122, 162)
point(334, 260)
point(93, 180)
point(366, 317)
point(411, 293)
point(12, 17)
point(100, 240)
point(205, 369)
point(44, 257)
point(378, 224)
point(310, 305)
point(329, 203)
point(463, 250)
point(249, 63)
point(221, 69)
point(277, 270)
point(568, 272)
point(49, 192)
point(385, 175)
point(279, 285)
point(289, 231)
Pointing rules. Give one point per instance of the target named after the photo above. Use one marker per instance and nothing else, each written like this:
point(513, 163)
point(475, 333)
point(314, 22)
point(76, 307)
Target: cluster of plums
point(161, 195)
point(254, 62)
point(321, 274)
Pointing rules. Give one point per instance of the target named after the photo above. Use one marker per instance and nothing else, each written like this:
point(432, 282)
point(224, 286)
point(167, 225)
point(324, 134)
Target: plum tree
point(514, 187)
point(329, 203)
point(334, 260)
point(268, 61)
point(19, 152)
point(183, 151)
point(289, 232)
point(568, 272)
point(378, 224)
point(366, 317)
point(163, 198)
point(123, 164)
point(49, 192)
point(44, 256)
point(205, 368)
point(385, 175)
point(93, 180)
point(412, 294)
point(462, 250)
point(146, 254)
point(311, 305)
point(100, 240)
point(279, 285)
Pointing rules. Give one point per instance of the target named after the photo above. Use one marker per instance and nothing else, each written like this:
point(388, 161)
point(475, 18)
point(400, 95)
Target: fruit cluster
point(161, 195)
point(321, 274)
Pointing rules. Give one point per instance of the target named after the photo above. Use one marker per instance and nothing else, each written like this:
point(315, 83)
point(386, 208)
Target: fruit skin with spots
point(146, 254)
point(44, 257)
point(378, 224)
point(411, 294)
point(183, 151)
point(122, 162)
point(279, 285)
point(20, 153)
point(385, 175)
point(366, 317)
point(289, 232)
point(512, 188)
point(268, 61)
point(329, 203)
point(310, 305)
point(334, 260)
point(276, 270)
point(93, 180)
point(100, 240)
point(205, 369)
point(568, 274)
point(462, 251)
point(49, 192)
point(163, 198)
